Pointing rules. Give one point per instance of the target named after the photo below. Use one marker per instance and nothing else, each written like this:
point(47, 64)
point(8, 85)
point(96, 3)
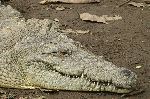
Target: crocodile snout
point(126, 78)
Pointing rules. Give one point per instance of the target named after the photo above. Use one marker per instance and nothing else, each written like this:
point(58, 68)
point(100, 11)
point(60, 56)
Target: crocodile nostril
point(126, 72)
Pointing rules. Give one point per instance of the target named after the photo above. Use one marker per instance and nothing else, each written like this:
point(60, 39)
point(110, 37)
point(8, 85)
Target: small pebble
point(138, 67)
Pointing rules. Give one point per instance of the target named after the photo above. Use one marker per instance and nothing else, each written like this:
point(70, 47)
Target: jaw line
point(104, 84)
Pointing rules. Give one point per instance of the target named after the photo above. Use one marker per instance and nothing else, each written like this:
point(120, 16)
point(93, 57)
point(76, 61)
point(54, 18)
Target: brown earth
point(124, 42)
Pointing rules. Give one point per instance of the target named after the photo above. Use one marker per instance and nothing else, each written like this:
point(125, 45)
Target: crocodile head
point(87, 72)
point(74, 67)
point(82, 72)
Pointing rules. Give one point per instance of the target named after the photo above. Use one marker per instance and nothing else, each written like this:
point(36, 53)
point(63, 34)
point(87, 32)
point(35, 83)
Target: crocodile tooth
point(97, 87)
point(102, 88)
point(94, 83)
point(82, 76)
point(113, 88)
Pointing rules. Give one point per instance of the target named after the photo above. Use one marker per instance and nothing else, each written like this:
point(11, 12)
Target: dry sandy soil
point(124, 42)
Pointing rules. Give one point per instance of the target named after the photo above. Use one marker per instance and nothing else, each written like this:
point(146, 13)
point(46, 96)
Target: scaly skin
point(33, 54)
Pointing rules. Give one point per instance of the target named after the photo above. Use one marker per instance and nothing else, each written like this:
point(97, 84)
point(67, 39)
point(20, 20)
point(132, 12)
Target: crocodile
point(34, 53)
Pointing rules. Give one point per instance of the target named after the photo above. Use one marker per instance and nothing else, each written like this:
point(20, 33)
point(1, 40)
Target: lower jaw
point(111, 88)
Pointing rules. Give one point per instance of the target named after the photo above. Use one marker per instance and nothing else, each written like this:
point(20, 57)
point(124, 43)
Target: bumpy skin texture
point(33, 54)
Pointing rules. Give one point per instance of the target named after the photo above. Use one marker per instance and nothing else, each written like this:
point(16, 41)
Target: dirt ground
point(124, 42)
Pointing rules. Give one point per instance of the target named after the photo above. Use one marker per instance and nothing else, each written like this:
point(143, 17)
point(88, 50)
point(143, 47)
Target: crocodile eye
point(126, 72)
